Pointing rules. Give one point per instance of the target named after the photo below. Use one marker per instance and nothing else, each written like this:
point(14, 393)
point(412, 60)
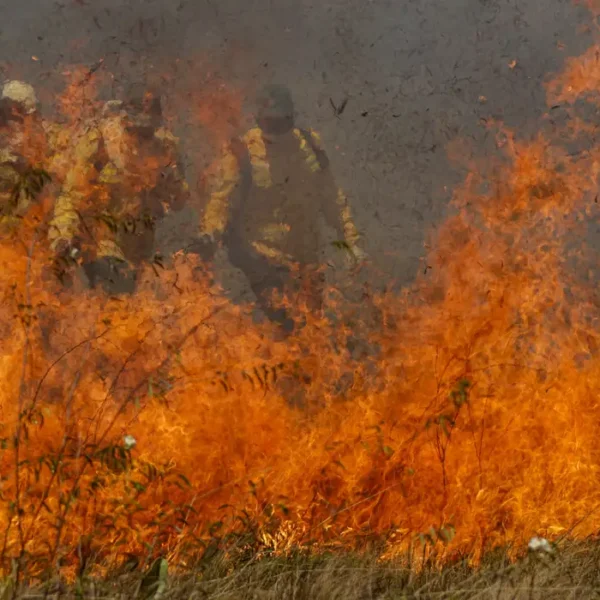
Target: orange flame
point(476, 415)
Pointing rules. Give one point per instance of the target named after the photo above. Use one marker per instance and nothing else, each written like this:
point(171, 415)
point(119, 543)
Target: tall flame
point(475, 416)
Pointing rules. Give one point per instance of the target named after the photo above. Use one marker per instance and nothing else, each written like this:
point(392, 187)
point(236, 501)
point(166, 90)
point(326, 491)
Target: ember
point(161, 421)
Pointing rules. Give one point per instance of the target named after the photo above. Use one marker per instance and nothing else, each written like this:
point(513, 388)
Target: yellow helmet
point(21, 93)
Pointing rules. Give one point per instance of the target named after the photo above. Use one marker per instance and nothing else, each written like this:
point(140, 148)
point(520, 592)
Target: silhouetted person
point(22, 145)
point(124, 174)
point(266, 194)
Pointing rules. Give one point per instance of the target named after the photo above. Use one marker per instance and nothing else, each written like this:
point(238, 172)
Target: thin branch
point(126, 401)
point(60, 454)
point(22, 386)
point(63, 355)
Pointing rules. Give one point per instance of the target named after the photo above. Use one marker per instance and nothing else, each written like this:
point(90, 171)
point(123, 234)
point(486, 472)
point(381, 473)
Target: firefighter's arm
point(346, 223)
point(338, 215)
point(221, 180)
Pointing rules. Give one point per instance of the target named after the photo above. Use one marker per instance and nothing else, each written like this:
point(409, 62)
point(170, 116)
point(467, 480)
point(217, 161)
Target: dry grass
point(573, 572)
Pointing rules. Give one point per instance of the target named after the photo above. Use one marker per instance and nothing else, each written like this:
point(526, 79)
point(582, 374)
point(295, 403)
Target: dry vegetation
point(165, 446)
point(572, 572)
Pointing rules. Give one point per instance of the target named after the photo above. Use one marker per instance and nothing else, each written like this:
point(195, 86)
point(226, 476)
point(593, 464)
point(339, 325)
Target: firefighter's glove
point(67, 250)
point(205, 247)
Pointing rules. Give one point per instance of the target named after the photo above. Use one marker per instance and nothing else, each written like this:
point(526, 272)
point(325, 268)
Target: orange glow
point(219, 110)
point(295, 441)
point(580, 77)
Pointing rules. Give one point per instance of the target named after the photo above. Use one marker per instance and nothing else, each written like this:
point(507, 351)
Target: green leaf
point(154, 583)
point(460, 395)
point(388, 451)
point(138, 486)
point(447, 533)
point(432, 534)
point(184, 479)
point(214, 527)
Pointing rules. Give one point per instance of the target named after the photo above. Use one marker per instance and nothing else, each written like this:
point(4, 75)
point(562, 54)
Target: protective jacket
point(21, 143)
point(121, 175)
point(265, 195)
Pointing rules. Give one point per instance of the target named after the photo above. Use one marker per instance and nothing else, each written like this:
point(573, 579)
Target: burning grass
point(169, 424)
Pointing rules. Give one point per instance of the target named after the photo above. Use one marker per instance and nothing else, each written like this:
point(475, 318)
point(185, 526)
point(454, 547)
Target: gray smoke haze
point(413, 72)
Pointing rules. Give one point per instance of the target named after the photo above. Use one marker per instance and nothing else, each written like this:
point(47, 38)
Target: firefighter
point(21, 150)
point(75, 233)
point(156, 171)
point(265, 195)
point(65, 152)
point(124, 175)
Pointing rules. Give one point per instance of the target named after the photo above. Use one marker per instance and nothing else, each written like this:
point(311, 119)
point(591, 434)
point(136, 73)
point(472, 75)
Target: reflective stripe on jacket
point(224, 176)
point(107, 142)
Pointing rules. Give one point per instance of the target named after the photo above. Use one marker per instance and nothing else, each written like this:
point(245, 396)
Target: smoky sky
point(414, 73)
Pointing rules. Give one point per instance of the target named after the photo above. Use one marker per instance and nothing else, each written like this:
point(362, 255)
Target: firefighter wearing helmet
point(124, 175)
point(21, 148)
point(265, 196)
point(72, 155)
